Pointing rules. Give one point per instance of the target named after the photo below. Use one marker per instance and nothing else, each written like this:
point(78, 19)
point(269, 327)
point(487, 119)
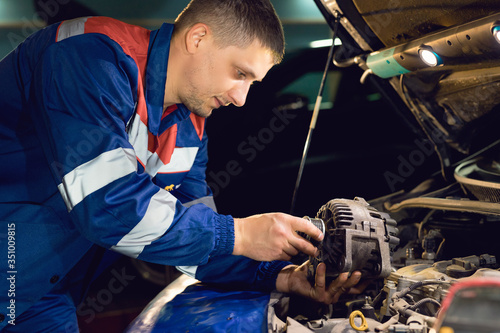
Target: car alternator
point(357, 238)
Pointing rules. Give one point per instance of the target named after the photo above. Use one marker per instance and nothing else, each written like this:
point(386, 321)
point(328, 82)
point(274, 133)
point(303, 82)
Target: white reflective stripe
point(71, 28)
point(154, 224)
point(95, 174)
point(182, 159)
point(154, 163)
point(188, 270)
point(138, 138)
point(207, 201)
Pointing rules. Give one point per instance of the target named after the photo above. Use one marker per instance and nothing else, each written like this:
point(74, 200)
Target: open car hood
point(454, 103)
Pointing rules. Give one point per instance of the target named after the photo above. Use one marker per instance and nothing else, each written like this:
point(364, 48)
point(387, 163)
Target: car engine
point(406, 261)
point(413, 247)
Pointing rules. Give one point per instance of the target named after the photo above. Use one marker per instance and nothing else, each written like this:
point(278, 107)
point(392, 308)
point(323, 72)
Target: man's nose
point(238, 94)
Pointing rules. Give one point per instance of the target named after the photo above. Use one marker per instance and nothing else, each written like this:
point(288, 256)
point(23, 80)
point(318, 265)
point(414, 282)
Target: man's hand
point(273, 236)
point(293, 279)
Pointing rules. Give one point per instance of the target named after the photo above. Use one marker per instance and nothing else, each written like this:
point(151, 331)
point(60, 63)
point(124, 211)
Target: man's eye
point(241, 75)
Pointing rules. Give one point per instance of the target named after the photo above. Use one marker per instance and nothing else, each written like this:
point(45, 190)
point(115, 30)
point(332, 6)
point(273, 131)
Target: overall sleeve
point(238, 272)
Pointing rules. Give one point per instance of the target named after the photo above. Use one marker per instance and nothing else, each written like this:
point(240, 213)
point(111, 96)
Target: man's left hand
point(293, 279)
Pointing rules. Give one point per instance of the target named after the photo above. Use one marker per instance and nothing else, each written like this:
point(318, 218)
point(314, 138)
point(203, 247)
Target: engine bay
point(409, 264)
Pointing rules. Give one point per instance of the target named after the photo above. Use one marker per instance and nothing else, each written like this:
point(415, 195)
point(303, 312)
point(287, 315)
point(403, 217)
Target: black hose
point(423, 301)
point(407, 290)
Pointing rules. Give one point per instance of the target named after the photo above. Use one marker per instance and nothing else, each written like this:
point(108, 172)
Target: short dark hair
point(237, 23)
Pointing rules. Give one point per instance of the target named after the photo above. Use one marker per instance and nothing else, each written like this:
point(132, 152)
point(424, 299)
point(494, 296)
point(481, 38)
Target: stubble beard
point(196, 104)
point(198, 108)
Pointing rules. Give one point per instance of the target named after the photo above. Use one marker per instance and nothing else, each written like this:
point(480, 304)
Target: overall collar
point(156, 77)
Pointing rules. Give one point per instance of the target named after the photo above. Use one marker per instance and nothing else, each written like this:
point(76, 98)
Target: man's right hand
point(273, 236)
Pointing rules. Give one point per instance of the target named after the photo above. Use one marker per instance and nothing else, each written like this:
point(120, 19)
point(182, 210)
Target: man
point(103, 147)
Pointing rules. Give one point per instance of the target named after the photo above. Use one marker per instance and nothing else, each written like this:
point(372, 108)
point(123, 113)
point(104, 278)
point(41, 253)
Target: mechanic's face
point(218, 77)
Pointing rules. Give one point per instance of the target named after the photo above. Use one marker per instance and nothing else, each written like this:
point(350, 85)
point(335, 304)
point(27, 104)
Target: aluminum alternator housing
point(357, 238)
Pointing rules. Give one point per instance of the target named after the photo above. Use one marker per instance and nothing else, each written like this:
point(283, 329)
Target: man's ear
point(195, 36)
